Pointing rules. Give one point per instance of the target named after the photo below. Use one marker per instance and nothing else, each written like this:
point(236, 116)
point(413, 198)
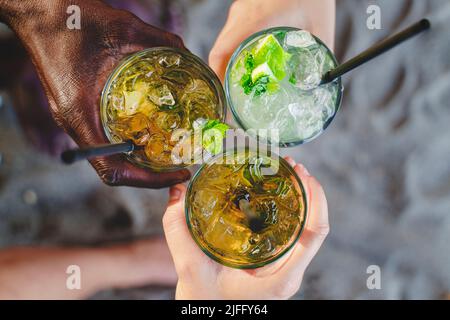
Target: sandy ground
point(384, 164)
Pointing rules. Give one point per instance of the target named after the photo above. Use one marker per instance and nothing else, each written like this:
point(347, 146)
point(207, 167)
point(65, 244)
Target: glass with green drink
point(272, 82)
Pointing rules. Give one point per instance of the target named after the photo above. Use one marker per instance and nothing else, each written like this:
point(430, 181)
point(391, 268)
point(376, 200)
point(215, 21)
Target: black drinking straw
point(70, 156)
point(376, 50)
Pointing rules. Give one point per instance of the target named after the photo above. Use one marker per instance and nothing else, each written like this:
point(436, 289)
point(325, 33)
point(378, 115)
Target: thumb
point(180, 242)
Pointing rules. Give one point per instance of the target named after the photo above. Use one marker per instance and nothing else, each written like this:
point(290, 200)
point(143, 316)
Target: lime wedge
point(270, 51)
point(262, 70)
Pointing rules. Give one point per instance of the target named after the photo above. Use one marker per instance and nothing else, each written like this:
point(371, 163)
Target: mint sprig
point(261, 85)
point(213, 133)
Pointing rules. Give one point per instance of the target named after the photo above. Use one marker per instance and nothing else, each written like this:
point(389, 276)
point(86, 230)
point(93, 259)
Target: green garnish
point(249, 62)
point(293, 78)
point(246, 83)
point(265, 67)
point(260, 85)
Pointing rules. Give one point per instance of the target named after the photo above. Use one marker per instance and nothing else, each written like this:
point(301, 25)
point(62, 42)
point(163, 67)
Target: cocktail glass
point(242, 212)
point(273, 83)
point(154, 98)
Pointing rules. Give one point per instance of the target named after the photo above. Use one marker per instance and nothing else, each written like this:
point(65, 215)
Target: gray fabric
point(383, 164)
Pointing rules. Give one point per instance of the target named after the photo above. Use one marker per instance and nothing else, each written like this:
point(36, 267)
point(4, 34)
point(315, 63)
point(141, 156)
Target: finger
point(181, 245)
point(156, 37)
point(148, 36)
point(116, 170)
point(145, 178)
point(222, 51)
point(227, 42)
point(316, 229)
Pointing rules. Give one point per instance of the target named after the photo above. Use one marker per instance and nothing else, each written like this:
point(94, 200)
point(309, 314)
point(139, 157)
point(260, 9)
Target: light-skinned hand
point(246, 17)
point(40, 272)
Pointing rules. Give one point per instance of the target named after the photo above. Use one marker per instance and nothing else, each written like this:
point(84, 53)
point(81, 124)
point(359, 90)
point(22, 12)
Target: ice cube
point(299, 39)
point(132, 101)
point(296, 109)
point(167, 121)
point(226, 234)
point(324, 100)
point(283, 122)
point(320, 57)
point(306, 70)
point(179, 78)
point(133, 128)
point(208, 201)
point(118, 102)
point(308, 116)
point(259, 110)
point(155, 147)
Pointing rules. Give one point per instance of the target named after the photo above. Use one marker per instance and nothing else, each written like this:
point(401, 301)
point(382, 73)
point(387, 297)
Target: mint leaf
point(249, 62)
point(261, 85)
point(246, 83)
point(293, 78)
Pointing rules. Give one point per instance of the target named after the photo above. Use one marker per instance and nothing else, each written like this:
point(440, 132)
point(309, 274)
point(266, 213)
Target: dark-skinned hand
point(73, 66)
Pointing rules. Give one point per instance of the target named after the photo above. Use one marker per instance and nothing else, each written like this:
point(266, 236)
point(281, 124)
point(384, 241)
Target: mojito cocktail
point(242, 212)
point(272, 82)
point(155, 98)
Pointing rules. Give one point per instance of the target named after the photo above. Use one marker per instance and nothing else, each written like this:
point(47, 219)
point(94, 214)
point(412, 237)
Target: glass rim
point(124, 63)
point(274, 258)
point(235, 114)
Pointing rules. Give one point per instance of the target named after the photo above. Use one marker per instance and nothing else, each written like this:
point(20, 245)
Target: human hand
point(73, 66)
point(246, 17)
point(200, 277)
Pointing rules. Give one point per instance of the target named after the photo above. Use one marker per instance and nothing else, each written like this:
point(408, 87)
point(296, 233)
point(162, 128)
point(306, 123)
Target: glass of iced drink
point(155, 98)
point(272, 82)
point(245, 210)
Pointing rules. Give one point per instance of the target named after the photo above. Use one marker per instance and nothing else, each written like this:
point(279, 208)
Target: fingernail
point(174, 194)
